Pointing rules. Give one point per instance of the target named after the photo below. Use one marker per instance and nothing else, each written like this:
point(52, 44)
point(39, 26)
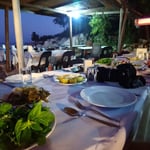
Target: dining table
point(84, 133)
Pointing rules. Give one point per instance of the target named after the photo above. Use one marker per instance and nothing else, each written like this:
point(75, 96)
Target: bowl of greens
point(104, 61)
point(25, 126)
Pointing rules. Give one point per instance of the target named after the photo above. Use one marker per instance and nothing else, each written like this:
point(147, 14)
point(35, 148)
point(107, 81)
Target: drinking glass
point(26, 76)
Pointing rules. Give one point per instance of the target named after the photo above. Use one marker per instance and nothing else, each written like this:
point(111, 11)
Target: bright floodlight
point(74, 14)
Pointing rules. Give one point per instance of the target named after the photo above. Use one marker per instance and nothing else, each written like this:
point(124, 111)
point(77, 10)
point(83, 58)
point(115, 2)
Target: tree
point(100, 27)
point(61, 20)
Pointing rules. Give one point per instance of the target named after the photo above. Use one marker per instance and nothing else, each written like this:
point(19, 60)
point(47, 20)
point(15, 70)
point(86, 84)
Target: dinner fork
point(81, 106)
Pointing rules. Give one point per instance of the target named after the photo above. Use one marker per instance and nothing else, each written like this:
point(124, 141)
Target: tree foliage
point(61, 20)
point(100, 27)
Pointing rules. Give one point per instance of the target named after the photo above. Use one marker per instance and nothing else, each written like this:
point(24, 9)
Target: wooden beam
point(44, 8)
point(99, 10)
point(110, 3)
point(6, 4)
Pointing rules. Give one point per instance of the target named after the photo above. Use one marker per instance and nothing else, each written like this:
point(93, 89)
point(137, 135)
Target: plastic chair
point(66, 58)
point(43, 62)
point(76, 61)
point(95, 52)
point(106, 52)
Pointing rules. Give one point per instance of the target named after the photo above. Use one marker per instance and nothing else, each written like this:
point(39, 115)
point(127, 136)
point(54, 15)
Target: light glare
point(142, 21)
point(75, 15)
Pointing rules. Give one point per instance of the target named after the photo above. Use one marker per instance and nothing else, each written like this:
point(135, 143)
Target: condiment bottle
point(50, 67)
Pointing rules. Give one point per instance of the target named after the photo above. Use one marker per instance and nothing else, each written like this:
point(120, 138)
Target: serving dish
point(70, 79)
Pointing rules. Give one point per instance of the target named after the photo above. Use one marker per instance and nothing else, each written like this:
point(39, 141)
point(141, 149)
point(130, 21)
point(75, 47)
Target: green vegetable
point(24, 125)
point(106, 61)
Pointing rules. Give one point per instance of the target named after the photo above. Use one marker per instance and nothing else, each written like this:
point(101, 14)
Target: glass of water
point(26, 76)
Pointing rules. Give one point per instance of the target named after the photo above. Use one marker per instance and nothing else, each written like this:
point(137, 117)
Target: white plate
point(17, 78)
point(105, 96)
point(70, 74)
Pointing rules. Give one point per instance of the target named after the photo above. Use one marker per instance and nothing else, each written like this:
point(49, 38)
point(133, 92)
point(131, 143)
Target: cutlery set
point(84, 112)
point(83, 107)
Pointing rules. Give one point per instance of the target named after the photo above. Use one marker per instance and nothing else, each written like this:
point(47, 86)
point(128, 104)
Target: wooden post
point(123, 28)
point(120, 26)
point(8, 63)
point(70, 29)
point(18, 32)
point(123, 18)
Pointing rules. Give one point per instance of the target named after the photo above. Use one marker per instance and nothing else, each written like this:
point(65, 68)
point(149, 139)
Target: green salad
point(24, 125)
point(106, 61)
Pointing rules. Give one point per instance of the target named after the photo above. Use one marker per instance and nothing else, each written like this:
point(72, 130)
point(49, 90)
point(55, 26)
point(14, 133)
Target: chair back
point(76, 61)
point(44, 59)
point(106, 52)
point(43, 62)
point(66, 58)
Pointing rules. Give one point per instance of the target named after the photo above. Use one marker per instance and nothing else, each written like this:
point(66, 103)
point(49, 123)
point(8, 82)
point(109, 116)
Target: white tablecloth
point(83, 133)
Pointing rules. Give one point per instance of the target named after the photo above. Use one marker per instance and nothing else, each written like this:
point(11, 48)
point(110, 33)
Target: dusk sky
point(42, 25)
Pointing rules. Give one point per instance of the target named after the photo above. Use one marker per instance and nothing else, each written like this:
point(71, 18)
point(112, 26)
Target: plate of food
point(70, 79)
point(27, 95)
point(28, 123)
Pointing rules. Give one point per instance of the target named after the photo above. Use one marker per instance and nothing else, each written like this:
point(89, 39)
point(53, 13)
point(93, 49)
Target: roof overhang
point(57, 7)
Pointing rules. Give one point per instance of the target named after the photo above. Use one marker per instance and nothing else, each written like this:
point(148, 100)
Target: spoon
point(81, 106)
point(73, 112)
